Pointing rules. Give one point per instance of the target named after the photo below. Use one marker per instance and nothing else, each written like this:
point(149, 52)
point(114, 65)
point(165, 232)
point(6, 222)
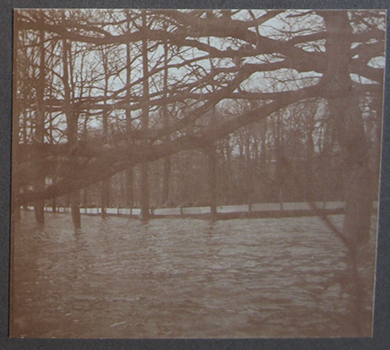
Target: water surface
point(180, 278)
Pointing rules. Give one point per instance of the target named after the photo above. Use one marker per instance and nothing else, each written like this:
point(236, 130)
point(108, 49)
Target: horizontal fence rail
point(224, 209)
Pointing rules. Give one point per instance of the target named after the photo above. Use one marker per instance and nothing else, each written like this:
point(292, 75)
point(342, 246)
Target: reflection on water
point(184, 278)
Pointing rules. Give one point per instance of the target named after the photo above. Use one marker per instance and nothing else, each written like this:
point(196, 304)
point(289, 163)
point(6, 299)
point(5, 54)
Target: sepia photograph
point(195, 173)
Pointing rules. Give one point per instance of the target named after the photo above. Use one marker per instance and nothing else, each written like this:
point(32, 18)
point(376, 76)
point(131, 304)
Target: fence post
point(281, 199)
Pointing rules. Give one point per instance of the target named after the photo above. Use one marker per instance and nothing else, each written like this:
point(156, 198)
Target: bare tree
point(303, 61)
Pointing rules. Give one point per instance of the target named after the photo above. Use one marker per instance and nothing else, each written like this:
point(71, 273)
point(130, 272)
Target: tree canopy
point(97, 91)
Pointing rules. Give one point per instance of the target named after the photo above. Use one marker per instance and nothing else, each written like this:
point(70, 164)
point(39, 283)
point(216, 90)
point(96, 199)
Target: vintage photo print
point(195, 173)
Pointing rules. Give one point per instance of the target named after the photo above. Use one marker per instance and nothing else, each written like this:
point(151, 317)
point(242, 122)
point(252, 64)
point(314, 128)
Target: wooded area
point(192, 107)
point(167, 108)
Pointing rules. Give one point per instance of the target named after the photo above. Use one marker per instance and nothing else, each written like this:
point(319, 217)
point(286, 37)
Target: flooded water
point(181, 278)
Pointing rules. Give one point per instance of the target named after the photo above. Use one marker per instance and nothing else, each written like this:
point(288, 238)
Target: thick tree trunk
point(358, 205)
point(358, 187)
point(71, 132)
point(345, 110)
